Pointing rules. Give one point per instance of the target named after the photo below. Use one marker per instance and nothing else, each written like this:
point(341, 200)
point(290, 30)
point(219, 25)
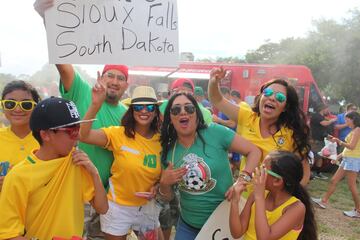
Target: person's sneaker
point(352, 213)
point(321, 176)
point(319, 202)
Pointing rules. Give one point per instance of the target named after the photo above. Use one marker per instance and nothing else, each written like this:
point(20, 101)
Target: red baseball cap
point(182, 82)
point(122, 68)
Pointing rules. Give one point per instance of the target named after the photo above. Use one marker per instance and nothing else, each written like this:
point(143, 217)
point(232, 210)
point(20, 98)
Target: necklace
point(184, 152)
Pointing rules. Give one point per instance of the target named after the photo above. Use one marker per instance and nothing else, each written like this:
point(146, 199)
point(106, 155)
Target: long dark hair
point(128, 121)
point(355, 117)
point(293, 117)
point(20, 85)
point(289, 167)
point(168, 132)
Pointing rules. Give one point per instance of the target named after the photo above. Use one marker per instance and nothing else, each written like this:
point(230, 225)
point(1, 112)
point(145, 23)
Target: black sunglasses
point(176, 109)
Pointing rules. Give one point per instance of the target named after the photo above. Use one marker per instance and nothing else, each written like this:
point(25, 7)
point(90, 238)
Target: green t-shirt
point(205, 112)
point(208, 177)
point(108, 115)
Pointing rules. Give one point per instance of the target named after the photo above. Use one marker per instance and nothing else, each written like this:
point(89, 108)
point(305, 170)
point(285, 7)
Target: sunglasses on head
point(149, 107)
point(25, 105)
point(279, 96)
point(176, 109)
point(73, 132)
point(121, 78)
point(274, 174)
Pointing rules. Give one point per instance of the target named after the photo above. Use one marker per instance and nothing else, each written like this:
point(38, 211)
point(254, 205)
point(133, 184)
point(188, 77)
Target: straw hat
point(144, 95)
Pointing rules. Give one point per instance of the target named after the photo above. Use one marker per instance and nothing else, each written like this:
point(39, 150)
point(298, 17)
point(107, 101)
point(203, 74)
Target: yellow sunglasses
point(26, 105)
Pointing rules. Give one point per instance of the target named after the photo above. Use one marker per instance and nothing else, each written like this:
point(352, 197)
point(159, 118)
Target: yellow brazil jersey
point(249, 127)
point(272, 217)
point(243, 104)
point(44, 199)
point(136, 166)
point(355, 153)
point(14, 149)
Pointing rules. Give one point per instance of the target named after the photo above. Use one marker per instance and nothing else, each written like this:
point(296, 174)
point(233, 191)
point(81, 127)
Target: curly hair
point(128, 121)
point(168, 133)
point(293, 117)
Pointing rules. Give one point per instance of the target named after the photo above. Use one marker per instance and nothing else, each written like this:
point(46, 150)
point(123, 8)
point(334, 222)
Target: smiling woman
point(136, 168)
point(16, 141)
point(276, 122)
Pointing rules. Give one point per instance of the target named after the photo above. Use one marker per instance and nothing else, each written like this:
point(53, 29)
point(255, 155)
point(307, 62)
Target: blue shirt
point(345, 131)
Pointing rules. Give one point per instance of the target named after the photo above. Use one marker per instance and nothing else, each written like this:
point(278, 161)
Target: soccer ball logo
point(198, 179)
point(195, 182)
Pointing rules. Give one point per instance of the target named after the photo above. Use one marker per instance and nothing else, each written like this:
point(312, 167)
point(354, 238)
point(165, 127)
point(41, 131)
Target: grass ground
point(332, 224)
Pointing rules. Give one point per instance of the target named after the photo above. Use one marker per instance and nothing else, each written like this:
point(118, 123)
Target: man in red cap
point(73, 87)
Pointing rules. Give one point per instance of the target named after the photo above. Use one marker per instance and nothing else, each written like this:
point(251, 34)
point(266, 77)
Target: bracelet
point(246, 172)
point(245, 177)
point(161, 193)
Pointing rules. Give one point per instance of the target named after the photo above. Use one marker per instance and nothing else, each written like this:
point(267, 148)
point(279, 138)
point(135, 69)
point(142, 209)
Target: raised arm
point(88, 135)
point(221, 103)
point(66, 71)
point(67, 75)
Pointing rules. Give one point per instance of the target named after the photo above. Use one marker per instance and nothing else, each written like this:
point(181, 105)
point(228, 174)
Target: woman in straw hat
point(136, 168)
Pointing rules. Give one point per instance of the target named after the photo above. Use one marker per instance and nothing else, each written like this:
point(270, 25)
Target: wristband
point(161, 193)
point(245, 177)
point(246, 172)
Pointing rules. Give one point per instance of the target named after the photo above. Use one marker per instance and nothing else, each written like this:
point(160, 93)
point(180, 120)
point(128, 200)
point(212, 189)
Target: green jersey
point(108, 115)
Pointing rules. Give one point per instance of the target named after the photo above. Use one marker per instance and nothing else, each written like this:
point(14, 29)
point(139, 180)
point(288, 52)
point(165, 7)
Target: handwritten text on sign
point(133, 32)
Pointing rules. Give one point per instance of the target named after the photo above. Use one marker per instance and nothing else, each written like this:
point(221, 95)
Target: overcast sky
point(208, 28)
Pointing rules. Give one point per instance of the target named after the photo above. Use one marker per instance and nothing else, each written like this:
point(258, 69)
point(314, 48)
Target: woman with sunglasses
point(275, 122)
point(279, 207)
point(196, 156)
point(136, 168)
point(18, 100)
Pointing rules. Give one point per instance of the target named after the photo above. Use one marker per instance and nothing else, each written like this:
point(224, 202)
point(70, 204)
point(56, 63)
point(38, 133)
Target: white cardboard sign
point(217, 226)
point(132, 32)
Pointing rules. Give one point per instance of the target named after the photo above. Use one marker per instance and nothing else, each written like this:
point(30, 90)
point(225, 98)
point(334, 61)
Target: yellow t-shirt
point(14, 149)
point(355, 153)
point(248, 126)
point(136, 166)
point(272, 217)
point(44, 199)
point(243, 104)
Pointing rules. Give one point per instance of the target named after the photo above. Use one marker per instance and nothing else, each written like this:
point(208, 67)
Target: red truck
point(246, 78)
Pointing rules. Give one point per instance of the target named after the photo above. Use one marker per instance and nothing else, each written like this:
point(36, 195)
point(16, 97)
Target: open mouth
point(184, 122)
point(269, 107)
point(144, 117)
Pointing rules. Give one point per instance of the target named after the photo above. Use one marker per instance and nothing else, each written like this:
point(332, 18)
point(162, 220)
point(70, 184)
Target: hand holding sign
point(42, 5)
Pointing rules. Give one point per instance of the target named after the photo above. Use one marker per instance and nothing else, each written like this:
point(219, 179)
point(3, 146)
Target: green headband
point(274, 174)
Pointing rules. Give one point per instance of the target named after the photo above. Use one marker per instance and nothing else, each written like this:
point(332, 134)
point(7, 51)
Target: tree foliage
point(331, 51)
